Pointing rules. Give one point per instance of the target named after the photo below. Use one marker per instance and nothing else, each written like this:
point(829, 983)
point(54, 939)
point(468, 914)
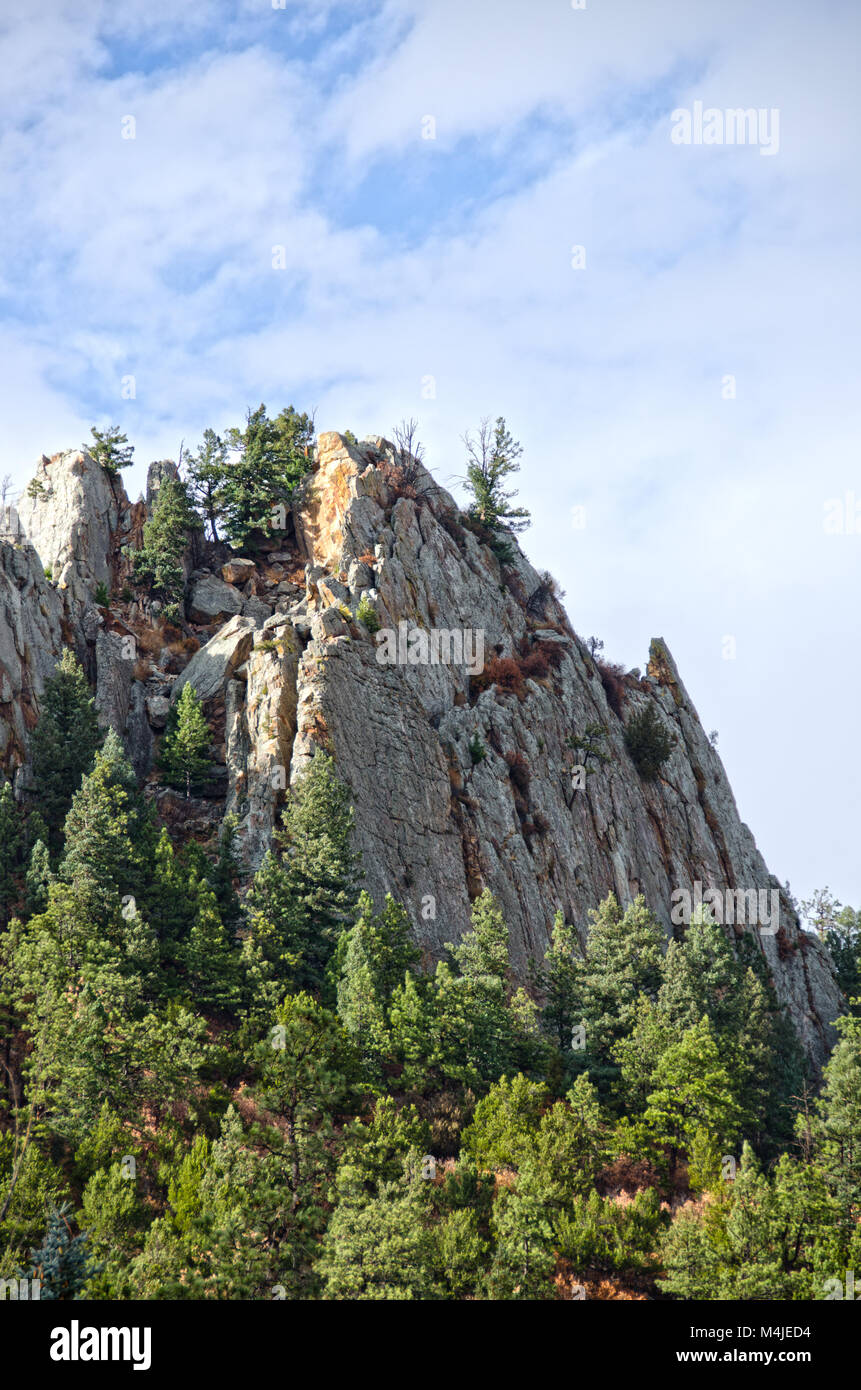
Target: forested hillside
point(236, 1064)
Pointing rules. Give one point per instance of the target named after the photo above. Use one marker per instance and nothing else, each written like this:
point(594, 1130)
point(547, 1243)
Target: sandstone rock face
point(210, 599)
point(30, 645)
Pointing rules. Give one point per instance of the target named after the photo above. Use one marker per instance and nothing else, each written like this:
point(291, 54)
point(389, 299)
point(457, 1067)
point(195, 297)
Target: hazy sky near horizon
point(428, 168)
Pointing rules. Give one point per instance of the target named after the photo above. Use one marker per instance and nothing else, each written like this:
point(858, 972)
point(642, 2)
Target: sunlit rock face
point(451, 690)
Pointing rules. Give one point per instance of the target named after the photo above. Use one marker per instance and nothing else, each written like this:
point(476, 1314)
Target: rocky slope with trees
point(338, 886)
point(459, 781)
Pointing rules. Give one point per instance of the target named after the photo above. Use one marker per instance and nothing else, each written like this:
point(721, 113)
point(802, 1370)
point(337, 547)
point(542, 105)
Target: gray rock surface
point(433, 826)
point(211, 599)
point(210, 669)
point(31, 642)
point(71, 519)
point(115, 659)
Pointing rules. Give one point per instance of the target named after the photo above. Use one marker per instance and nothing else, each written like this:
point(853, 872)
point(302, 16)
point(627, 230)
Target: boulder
point(238, 570)
point(157, 710)
point(211, 599)
point(213, 666)
point(256, 608)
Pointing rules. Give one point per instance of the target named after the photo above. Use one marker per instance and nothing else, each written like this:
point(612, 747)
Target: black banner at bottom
point(85, 1341)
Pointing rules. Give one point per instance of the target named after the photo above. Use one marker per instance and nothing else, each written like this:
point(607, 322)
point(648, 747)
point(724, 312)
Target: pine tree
point(184, 1188)
point(223, 873)
point(693, 1092)
point(571, 1145)
point(491, 458)
point(503, 1130)
point(35, 829)
point(465, 1023)
point(299, 902)
point(184, 755)
point(110, 833)
point(207, 470)
point(703, 976)
point(38, 879)
point(649, 742)
point(271, 457)
point(380, 1250)
point(474, 1004)
point(263, 1196)
point(210, 960)
point(11, 846)
point(165, 538)
point(759, 1238)
point(64, 743)
point(110, 449)
point(62, 1262)
point(843, 939)
point(838, 1126)
point(379, 1151)
point(639, 1052)
point(371, 960)
point(623, 960)
point(561, 980)
point(524, 1256)
point(171, 899)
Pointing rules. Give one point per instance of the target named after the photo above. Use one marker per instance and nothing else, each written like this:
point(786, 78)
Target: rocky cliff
point(461, 778)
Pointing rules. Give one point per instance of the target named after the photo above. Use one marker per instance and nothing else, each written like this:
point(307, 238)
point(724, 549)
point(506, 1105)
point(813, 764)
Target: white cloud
point(153, 256)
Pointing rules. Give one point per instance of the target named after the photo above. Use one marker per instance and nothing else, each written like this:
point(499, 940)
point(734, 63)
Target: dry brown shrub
point(518, 771)
point(503, 672)
point(149, 639)
point(627, 1175)
point(613, 680)
point(183, 646)
point(541, 660)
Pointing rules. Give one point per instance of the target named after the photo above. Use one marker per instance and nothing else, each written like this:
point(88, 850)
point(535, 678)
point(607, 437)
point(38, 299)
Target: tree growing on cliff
point(64, 743)
point(492, 456)
point(270, 457)
point(165, 537)
point(110, 449)
point(649, 743)
point(207, 470)
point(184, 755)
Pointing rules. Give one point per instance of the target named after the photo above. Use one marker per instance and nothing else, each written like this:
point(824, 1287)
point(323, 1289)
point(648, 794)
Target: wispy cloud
point(407, 258)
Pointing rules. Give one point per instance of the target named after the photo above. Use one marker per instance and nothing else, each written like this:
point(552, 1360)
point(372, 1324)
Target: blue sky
point(450, 258)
